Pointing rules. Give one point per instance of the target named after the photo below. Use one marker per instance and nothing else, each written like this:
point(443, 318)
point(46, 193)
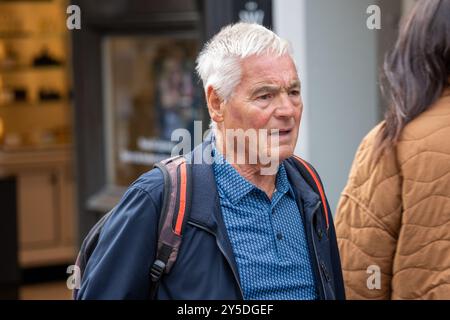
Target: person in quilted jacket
point(393, 218)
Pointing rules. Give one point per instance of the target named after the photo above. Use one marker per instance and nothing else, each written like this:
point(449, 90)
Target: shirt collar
point(235, 187)
point(229, 181)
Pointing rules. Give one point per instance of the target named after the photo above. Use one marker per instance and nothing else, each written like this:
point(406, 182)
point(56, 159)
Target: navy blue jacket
point(205, 269)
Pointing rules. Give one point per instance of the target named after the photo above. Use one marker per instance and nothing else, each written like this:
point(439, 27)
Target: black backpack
point(174, 215)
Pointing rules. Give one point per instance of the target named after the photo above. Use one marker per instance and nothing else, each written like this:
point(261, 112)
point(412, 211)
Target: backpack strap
point(174, 214)
point(317, 183)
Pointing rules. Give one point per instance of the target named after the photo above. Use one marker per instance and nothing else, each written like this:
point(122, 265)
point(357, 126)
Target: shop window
point(150, 90)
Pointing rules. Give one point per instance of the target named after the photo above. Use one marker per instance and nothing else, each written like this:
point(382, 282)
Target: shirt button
point(279, 236)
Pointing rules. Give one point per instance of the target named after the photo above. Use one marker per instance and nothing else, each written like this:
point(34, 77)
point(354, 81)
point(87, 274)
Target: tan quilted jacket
point(395, 213)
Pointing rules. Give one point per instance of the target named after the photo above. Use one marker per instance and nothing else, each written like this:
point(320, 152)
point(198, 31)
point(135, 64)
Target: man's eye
point(294, 92)
point(267, 96)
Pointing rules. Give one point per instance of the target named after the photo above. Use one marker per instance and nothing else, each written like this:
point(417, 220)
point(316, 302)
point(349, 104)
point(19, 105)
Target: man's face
point(268, 97)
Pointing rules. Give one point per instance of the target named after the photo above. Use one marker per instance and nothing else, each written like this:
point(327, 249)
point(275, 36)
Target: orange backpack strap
point(318, 184)
point(174, 214)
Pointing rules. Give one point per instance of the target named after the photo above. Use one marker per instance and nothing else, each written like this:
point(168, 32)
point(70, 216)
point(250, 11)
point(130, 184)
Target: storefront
point(36, 154)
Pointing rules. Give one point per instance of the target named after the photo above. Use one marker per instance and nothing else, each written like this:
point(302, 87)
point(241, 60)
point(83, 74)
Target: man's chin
point(285, 152)
point(275, 155)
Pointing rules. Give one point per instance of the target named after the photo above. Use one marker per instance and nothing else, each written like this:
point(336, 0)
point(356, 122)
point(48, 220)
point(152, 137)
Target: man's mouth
point(285, 132)
point(282, 132)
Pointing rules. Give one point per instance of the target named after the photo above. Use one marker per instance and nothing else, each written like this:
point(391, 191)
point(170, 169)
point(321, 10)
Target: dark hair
point(417, 69)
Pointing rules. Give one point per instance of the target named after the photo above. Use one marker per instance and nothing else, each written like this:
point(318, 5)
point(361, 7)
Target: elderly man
point(251, 233)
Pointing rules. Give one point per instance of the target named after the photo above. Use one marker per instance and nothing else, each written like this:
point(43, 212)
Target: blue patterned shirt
point(267, 236)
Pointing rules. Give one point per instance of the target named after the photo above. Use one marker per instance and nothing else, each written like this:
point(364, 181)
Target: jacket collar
point(205, 205)
point(303, 191)
point(204, 188)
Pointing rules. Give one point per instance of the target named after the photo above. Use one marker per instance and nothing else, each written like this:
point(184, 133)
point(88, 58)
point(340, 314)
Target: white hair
point(218, 64)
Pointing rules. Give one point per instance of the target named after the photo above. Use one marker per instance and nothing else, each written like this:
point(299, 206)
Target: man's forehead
point(269, 70)
point(274, 82)
point(274, 85)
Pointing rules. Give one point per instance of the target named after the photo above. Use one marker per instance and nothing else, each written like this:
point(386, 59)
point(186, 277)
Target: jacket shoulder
point(151, 182)
point(428, 133)
point(126, 244)
point(141, 202)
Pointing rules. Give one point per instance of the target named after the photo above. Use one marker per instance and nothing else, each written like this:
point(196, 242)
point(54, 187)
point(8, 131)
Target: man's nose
point(285, 106)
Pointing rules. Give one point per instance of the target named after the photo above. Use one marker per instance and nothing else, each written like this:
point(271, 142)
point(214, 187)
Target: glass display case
point(150, 90)
point(36, 128)
point(34, 75)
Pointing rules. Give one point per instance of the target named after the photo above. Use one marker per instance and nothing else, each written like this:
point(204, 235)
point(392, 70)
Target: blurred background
point(84, 112)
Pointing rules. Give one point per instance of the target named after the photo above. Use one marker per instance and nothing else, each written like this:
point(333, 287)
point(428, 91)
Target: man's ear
point(215, 105)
